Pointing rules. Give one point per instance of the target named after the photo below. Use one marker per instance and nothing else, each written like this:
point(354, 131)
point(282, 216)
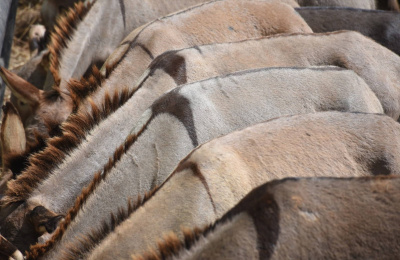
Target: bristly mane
point(39, 250)
point(87, 242)
point(74, 128)
point(171, 245)
point(74, 131)
point(61, 35)
point(81, 89)
point(66, 24)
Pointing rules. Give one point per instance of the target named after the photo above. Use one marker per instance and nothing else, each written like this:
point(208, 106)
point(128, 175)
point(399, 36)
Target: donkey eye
point(41, 229)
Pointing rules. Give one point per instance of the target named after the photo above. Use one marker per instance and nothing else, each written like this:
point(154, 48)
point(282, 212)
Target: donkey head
point(22, 223)
point(39, 110)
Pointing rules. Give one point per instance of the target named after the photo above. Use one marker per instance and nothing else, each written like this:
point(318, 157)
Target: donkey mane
point(58, 147)
point(39, 250)
point(65, 25)
point(81, 89)
point(133, 41)
point(88, 242)
point(171, 245)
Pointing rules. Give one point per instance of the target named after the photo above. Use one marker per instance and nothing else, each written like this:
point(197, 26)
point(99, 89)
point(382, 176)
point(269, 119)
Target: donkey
point(33, 104)
point(336, 51)
point(48, 105)
point(25, 186)
point(132, 49)
point(381, 26)
point(201, 111)
point(215, 176)
point(261, 16)
point(213, 22)
point(295, 24)
point(300, 218)
point(79, 41)
point(285, 24)
point(106, 24)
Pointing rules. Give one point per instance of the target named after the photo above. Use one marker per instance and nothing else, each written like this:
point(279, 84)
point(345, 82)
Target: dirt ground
point(28, 14)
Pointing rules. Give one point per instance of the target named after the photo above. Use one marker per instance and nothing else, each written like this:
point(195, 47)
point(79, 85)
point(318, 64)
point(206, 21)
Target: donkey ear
point(21, 89)
point(13, 139)
point(44, 220)
point(8, 250)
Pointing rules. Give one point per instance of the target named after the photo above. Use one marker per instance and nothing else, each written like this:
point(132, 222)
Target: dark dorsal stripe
point(173, 64)
point(145, 49)
point(195, 169)
point(134, 42)
point(122, 6)
point(259, 204)
point(177, 105)
point(74, 132)
point(40, 249)
point(263, 209)
point(266, 219)
point(172, 103)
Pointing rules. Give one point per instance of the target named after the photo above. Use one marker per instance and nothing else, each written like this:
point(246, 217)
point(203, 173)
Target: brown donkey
point(310, 218)
point(215, 176)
